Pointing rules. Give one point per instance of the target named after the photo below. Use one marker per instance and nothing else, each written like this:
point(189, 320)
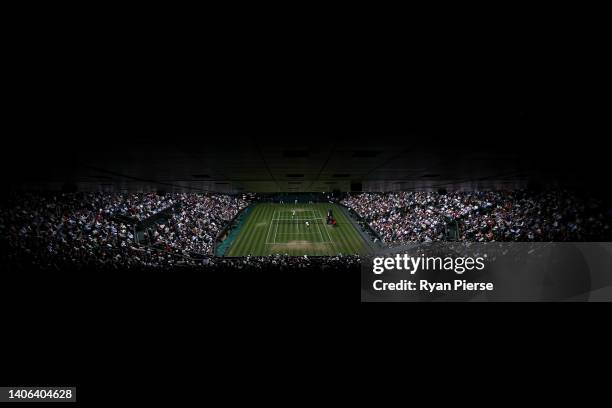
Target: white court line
point(298, 219)
point(297, 233)
point(313, 220)
point(275, 231)
point(270, 229)
point(330, 238)
point(297, 243)
point(318, 227)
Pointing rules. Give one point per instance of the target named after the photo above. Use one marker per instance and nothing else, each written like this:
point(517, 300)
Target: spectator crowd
point(195, 226)
point(85, 228)
point(138, 206)
point(482, 216)
point(74, 231)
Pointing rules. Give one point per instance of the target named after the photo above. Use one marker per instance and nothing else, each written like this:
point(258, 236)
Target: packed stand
point(482, 216)
point(137, 206)
point(63, 229)
point(287, 263)
point(81, 229)
point(194, 227)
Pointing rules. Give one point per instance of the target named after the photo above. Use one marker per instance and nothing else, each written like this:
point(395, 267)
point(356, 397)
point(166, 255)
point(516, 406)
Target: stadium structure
point(307, 202)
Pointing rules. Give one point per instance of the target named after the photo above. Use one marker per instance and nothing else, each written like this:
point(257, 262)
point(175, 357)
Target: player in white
point(293, 213)
point(307, 224)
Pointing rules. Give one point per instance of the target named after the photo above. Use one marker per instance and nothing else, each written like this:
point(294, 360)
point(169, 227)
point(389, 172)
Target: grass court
point(275, 229)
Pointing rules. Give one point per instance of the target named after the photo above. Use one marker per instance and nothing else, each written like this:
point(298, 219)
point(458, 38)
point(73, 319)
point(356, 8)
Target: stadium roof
point(293, 164)
point(396, 148)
